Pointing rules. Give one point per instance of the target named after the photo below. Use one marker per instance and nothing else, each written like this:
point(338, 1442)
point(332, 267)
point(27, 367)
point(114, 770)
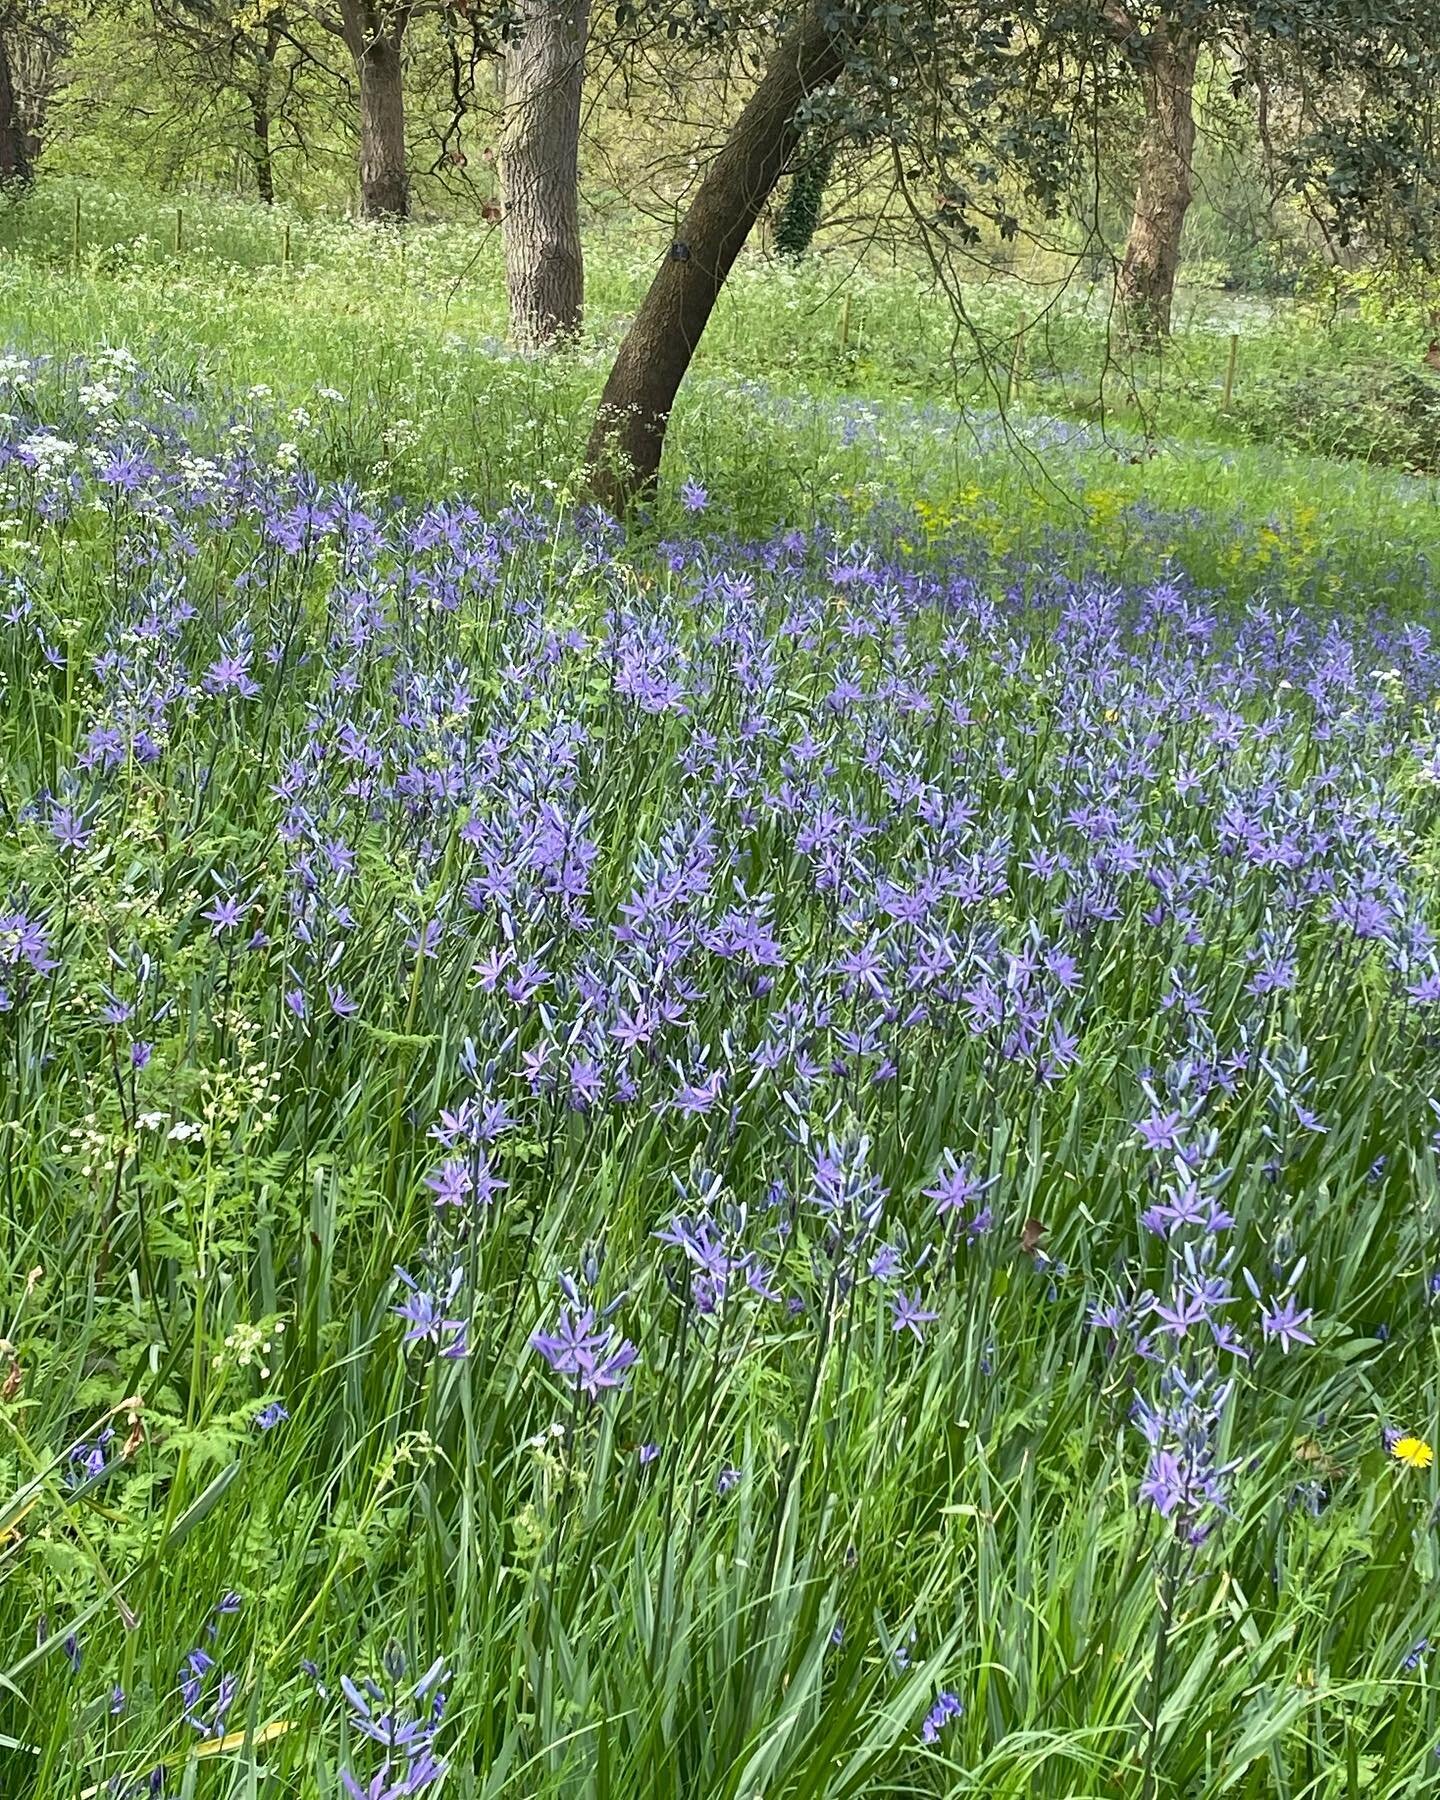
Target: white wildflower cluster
point(401, 435)
point(48, 454)
point(200, 476)
point(230, 1092)
point(250, 1346)
point(98, 397)
point(97, 1151)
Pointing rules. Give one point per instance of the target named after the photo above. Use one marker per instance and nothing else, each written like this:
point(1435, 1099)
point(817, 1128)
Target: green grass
point(614, 1629)
point(410, 329)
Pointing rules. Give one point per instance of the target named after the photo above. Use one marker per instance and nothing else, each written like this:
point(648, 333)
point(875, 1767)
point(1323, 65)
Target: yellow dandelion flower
point(1414, 1452)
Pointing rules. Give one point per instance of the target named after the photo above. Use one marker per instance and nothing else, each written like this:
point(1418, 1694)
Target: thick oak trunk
point(374, 31)
point(384, 179)
point(1146, 283)
point(14, 150)
point(629, 431)
point(539, 172)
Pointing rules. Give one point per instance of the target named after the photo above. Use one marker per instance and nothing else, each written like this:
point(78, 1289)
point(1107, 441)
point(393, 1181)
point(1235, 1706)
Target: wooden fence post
point(1230, 371)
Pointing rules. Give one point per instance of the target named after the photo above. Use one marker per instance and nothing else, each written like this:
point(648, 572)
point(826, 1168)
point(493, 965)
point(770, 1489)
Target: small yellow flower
point(1414, 1452)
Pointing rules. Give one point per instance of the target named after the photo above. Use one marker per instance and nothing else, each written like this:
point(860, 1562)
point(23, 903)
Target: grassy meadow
point(789, 1155)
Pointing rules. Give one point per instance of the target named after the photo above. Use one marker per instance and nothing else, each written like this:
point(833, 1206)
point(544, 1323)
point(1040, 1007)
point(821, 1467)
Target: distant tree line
point(980, 125)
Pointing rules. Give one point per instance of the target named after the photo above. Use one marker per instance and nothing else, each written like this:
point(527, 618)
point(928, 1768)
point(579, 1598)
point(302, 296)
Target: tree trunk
point(1146, 282)
point(629, 431)
point(384, 181)
point(260, 118)
point(539, 152)
point(14, 151)
point(374, 31)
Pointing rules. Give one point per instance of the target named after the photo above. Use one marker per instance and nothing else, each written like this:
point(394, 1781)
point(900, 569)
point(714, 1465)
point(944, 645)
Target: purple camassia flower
point(423, 1310)
point(224, 913)
point(1161, 1130)
point(127, 470)
point(957, 1186)
point(1183, 1481)
point(885, 1264)
point(1284, 1322)
point(846, 1194)
point(587, 1354)
point(1425, 991)
point(410, 1765)
point(462, 1182)
point(70, 830)
point(910, 1316)
point(24, 939)
point(193, 1683)
point(945, 1711)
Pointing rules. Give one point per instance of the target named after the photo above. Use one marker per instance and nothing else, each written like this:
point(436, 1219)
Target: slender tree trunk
point(629, 431)
point(14, 150)
point(260, 119)
point(264, 163)
point(539, 172)
point(1146, 282)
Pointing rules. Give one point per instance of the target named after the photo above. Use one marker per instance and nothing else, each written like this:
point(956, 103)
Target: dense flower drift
point(714, 954)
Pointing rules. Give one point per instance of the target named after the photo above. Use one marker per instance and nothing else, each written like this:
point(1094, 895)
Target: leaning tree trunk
point(1146, 282)
point(539, 172)
point(629, 431)
point(14, 151)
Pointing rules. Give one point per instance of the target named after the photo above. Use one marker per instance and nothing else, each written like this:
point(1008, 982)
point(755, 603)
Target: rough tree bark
point(14, 150)
point(1165, 61)
point(539, 173)
point(375, 31)
point(629, 431)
